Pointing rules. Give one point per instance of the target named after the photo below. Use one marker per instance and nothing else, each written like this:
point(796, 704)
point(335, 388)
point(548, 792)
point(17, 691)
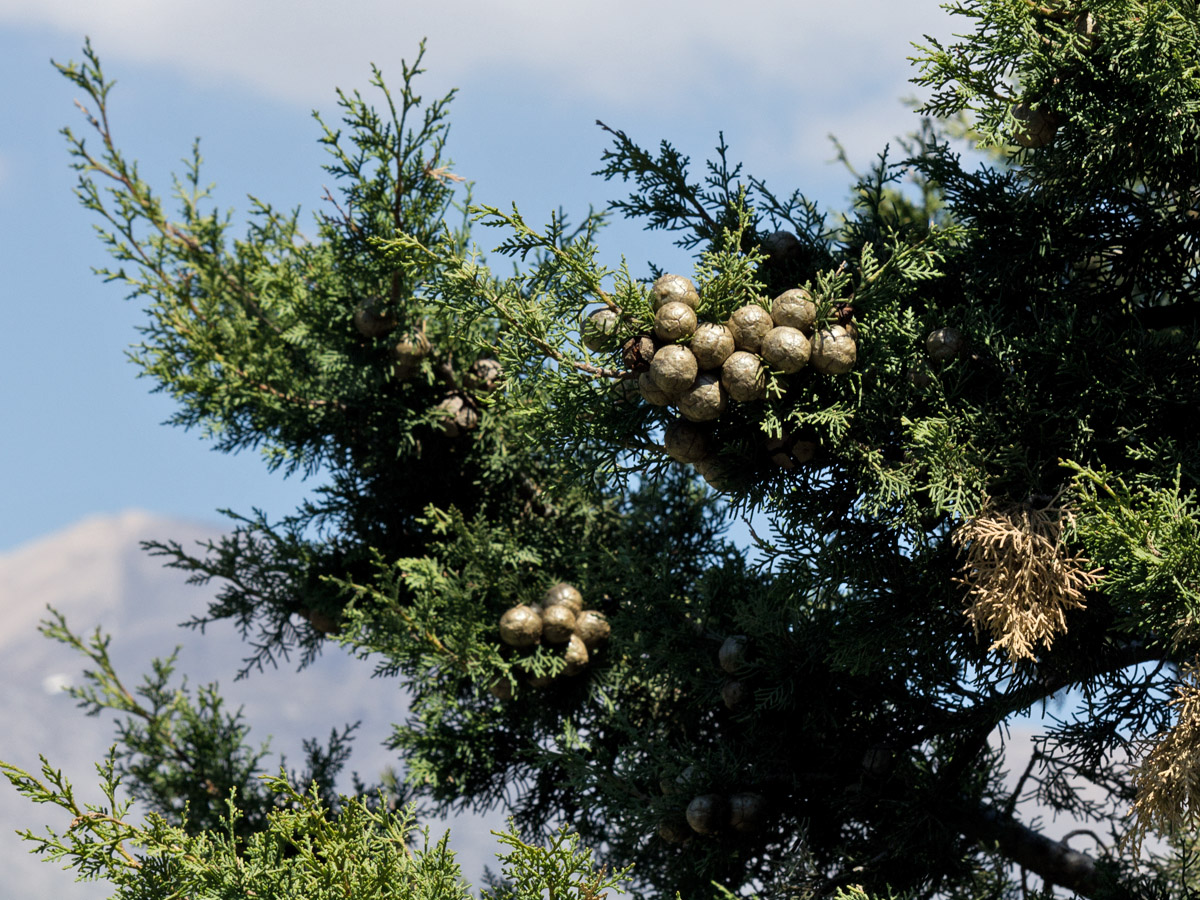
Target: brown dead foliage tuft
point(1021, 579)
point(1168, 779)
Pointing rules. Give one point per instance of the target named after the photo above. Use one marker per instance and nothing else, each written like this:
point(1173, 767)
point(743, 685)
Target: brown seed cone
point(673, 831)
point(673, 288)
point(566, 594)
point(944, 344)
point(743, 377)
point(781, 246)
point(372, 322)
point(484, 376)
point(592, 628)
point(576, 656)
point(749, 326)
point(717, 473)
point(786, 349)
point(321, 622)
point(521, 626)
point(732, 654)
point(674, 321)
point(1035, 127)
point(540, 681)
point(737, 696)
point(558, 623)
point(652, 393)
point(795, 309)
point(708, 813)
point(684, 442)
point(711, 345)
point(410, 349)
point(705, 400)
point(458, 415)
point(746, 812)
point(599, 330)
point(625, 390)
point(674, 369)
point(501, 689)
point(833, 351)
point(791, 450)
point(637, 352)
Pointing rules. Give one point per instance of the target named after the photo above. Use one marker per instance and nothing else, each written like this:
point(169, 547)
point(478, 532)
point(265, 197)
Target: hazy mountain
point(96, 575)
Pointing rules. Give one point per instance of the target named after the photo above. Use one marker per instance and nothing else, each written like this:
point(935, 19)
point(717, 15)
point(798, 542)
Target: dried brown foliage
point(1021, 578)
point(1168, 779)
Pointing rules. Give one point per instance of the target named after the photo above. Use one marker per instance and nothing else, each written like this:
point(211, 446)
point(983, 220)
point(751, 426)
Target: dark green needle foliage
point(975, 499)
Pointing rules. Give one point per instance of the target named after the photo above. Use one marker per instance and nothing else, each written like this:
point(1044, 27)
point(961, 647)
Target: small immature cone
point(705, 400)
point(743, 377)
point(566, 594)
point(833, 352)
point(674, 369)
point(592, 628)
point(711, 345)
point(674, 321)
point(786, 349)
point(749, 326)
point(558, 623)
point(673, 288)
point(521, 626)
point(708, 813)
point(685, 442)
point(795, 309)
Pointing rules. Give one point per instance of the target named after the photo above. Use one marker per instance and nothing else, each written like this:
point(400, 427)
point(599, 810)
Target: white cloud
point(630, 51)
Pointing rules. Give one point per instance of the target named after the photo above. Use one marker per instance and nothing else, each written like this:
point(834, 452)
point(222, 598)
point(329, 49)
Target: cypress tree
point(966, 408)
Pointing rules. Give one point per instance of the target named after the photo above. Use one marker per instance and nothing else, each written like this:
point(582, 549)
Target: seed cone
point(600, 330)
point(944, 344)
point(674, 321)
point(711, 345)
point(521, 626)
point(685, 442)
point(673, 288)
point(707, 813)
point(592, 628)
point(833, 352)
point(558, 623)
point(743, 377)
point(749, 326)
point(565, 594)
point(372, 322)
point(795, 309)
point(576, 656)
point(746, 812)
point(705, 400)
point(786, 349)
point(674, 369)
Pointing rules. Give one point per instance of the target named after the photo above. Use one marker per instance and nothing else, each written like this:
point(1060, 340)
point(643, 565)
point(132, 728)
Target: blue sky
point(81, 433)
